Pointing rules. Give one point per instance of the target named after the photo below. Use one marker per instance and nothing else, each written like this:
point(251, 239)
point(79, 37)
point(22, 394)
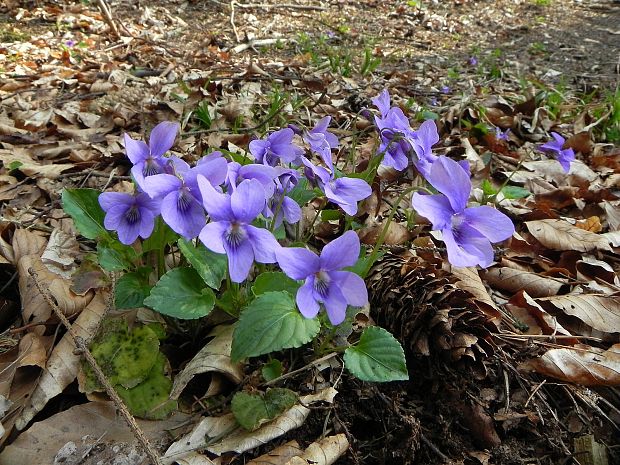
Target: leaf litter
point(490, 346)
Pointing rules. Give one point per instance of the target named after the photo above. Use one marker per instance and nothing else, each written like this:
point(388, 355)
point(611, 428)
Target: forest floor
point(70, 87)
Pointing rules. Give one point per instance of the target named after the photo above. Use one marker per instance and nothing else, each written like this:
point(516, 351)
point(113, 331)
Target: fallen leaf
point(601, 312)
point(215, 356)
point(396, 234)
point(323, 452)
point(560, 235)
point(547, 323)
point(592, 224)
point(279, 456)
point(83, 424)
point(63, 363)
point(509, 279)
point(581, 364)
point(469, 280)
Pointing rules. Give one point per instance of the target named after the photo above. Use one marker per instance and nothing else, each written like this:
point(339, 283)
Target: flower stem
point(381, 239)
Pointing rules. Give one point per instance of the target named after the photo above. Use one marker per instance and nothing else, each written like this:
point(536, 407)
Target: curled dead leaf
point(600, 312)
point(582, 364)
point(560, 235)
point(469, 280)
point(397, 234)
point(215, 356)
point(512, 280)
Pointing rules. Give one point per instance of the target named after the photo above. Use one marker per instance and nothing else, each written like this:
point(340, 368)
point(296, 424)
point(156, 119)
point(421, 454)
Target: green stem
point(493, 198)
point(375, 251)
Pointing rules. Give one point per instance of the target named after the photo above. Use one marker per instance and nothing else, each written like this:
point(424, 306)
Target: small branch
point(232, 20)
point(257, 43)
point(107, 16)
point(288, 6)
point(82, 347)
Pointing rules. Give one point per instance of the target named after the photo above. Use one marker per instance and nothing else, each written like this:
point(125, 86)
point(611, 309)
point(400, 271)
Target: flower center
point(235, 235)
point(321, 283)
point(185, 199)
point(132, 215)
point(151, 167)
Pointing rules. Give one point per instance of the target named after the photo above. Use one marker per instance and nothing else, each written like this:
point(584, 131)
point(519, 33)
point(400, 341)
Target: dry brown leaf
point(509, 279)
point(600, 312)
point(592, 224)
point(63, 363)
point(31, 167)
point(215, 356)
point(280, 455)
point(397, 234)
point(323, 452)
point(85, 425)
point(469, 280)
point(581, 364)
point(548, 324)
point(60, 253)
point(612, 210)
point(560, 235)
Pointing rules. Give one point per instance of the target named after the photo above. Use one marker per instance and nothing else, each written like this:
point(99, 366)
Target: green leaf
point(162, 235)
point(125, 357)
point(131, 289)
point(271, 281)
point(210, 266)
point(377, 357)
point(271, 322)
point(181, 293)
point(114, 256)
point(330, 215)
point(150, 399)
point(515, 192)
point(487, 188)
point(301, 193)
point(83, 206)
point(252, 410)
point(272, 370)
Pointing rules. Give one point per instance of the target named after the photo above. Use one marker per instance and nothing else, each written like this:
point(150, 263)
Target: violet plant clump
point(227, 232)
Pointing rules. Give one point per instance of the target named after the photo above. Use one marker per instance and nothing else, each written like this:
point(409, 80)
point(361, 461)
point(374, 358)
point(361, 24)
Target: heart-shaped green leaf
point(252, 410)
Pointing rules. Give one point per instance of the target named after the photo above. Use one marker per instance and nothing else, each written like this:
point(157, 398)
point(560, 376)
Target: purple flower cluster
point(467, 232)
point(225, 203)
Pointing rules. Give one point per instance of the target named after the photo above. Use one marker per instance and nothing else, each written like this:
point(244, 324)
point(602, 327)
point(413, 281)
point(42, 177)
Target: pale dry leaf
point(469, 281)
point(60, 253)
point(42, 441)
point(397, 234)
point(476, 163)
point(280, 455)
point(31, 167)
point(323, 452)
point(612, 210)
point(585, 365)
point(215, 356)
point(560, 235)
point(207, 429)
point(509, 279)
point(612, 238)
point(548, 324)
point(242, 440)
point(600, 312)
point(63, 363)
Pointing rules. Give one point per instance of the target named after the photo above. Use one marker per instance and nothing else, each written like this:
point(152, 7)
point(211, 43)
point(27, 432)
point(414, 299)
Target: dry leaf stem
point(82, 347)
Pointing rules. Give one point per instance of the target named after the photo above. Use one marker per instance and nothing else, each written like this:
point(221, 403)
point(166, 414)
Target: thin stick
point(82, 347)
point(107, 16)
point(299, 370)
point(281, 5)
point(434, 448)
point(232, 20)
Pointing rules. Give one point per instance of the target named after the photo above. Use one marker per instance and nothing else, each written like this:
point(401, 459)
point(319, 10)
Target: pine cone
point(422, 306)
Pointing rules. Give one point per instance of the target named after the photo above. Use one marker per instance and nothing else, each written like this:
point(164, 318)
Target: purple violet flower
point(325, 283)
point(445, 90)
point(277, 146)
point(181, 205)
point(129, 215)
point(467, 232)
point(321, 141)
point(424, 138)
point(555, 147)
point(265, 174)
point(502, 135)
point(284, 208)
point(230, 231)
point(395, 132)
point(473, 61)
point(344, 192)
point(148, 159)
